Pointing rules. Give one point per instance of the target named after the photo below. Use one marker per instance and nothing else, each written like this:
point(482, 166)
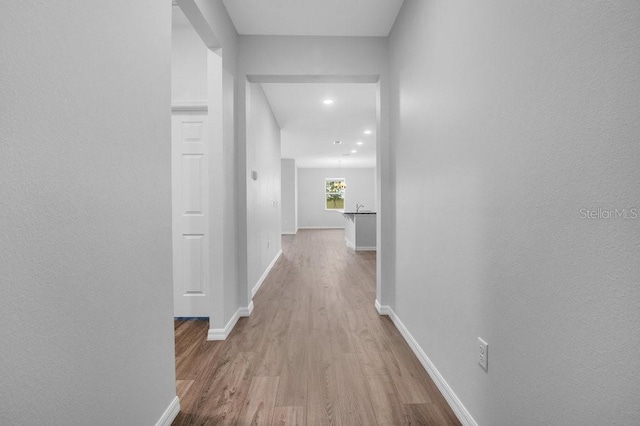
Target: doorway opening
point(192, 64)
point(329, 136)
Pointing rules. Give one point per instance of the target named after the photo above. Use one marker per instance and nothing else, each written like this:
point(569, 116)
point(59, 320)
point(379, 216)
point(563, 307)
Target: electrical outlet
point(483, 354)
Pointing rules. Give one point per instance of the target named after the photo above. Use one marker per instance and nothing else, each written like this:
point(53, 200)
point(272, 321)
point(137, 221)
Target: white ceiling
point(314, 17)
point(309, 127)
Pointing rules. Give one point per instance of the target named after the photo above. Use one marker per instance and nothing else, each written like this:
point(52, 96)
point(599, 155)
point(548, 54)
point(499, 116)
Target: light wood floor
point(313, 352)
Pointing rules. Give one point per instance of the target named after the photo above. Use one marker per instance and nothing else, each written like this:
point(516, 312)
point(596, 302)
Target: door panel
point(190, 185)
point(193, 265)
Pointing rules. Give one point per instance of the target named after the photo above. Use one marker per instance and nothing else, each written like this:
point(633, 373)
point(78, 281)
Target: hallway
point(314, 351)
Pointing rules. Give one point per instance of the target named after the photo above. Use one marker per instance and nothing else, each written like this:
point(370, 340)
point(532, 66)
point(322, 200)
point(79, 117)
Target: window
point(334, 193)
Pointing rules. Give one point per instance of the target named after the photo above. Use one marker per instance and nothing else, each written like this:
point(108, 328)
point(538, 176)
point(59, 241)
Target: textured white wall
point(288, 194)
point(263, 195)
point(188, 61)
point(233, 236)
point(508, 118)
point(361, 188)
point(85, 213)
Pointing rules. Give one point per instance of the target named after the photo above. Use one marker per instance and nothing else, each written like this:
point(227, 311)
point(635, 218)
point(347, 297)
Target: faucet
point(358, 207)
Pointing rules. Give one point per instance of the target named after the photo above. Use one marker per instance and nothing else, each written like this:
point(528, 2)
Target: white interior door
point(190, 189)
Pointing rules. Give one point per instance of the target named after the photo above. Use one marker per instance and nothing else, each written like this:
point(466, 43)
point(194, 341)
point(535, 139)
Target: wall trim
point(383, 309)
point(452, 399)
point(245, 312)
point(189, 106)
point(223, 333)
point(256, 287)
point(349, 244)
point(321, 227)
point(289, 232)
point(191, 318)
point(170, 413)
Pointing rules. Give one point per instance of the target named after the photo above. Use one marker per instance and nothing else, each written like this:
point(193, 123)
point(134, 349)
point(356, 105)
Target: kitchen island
point(360, 230)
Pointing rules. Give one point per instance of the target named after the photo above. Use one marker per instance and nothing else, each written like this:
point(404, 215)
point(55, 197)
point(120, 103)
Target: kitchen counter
point(360, 212)
point(360, 230)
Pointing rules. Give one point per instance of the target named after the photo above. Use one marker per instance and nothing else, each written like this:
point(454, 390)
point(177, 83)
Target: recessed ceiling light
point(353, 151)
point(359, 143)
point(337, 142)
point(367, 132)
point(327, 101)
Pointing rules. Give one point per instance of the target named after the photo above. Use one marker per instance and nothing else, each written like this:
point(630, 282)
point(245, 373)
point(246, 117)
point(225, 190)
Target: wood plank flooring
point(313, 352)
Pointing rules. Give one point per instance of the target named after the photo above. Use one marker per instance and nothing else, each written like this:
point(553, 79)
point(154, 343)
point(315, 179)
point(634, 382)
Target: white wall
point(216, 26)
point(361, 188)
point(263, 194)
point(282, 58)
point(289, 196)
point(85, 218)
point(507, 119)
point(188, 61)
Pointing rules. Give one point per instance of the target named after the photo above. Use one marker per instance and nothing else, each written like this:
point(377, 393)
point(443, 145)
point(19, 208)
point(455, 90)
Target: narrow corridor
point(314, 351)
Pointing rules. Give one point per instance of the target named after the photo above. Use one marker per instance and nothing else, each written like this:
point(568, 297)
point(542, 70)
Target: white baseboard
point(256, 287)
point(245, 312)
point(383, 309)
point(349, 244)
point(289, 232)
point(170, 413)
point(454, 402)
point(321, 227)
point(223, 333)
